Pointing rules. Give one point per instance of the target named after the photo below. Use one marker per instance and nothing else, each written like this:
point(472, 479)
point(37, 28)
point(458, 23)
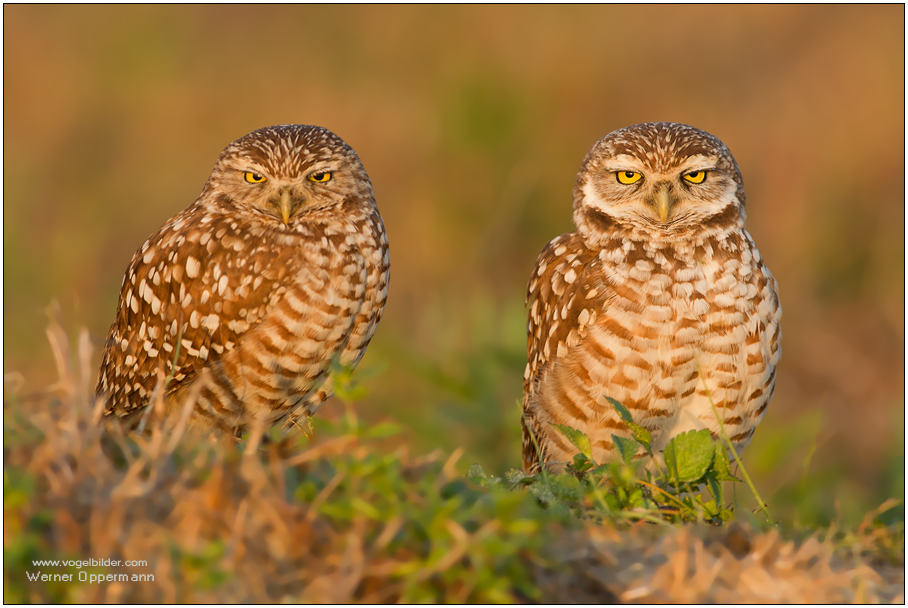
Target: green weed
point(688, 489)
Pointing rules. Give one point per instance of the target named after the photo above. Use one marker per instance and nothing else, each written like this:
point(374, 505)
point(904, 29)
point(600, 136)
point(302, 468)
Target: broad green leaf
point(640, 434)
point(689, 455)
point(580, 441)
point(626, 447)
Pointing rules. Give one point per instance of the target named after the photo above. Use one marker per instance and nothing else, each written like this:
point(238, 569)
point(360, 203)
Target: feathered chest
point(645, 298)
point(678, 294)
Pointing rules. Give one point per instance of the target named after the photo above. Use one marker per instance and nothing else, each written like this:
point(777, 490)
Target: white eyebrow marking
point(698, 162)
point(624, 162)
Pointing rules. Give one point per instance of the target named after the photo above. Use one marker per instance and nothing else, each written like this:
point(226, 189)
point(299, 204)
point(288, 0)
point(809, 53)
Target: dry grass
point(733, 564)
point(349, 517)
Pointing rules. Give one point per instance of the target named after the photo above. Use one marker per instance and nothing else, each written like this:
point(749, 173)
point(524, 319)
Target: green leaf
point(542, 491)
point(516, 477)
point(567, 487)
point(635, 497)
point(622, 411)
point(689, 455)
point(479, 477)
point(715, 488)
point(600, 470)
point(721, 465)
point(640, 434)
point(581, 463)
point(580, 441)
point(626, 447)
point(476, 474)
point(612, 502)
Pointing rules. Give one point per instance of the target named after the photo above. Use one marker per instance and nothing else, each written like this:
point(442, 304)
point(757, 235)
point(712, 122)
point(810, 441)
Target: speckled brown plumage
point(659, 278)
point(279, 267)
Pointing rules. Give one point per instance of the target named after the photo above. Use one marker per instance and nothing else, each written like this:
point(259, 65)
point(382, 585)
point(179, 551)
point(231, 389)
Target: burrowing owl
point(279, 268)
point(659, 280)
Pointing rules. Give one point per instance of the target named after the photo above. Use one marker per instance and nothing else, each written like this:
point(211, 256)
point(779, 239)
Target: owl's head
point(285, 172)
point(661, 178)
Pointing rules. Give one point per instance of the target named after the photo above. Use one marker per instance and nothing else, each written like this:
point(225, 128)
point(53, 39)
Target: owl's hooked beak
point(288, 205)
point(663, 200)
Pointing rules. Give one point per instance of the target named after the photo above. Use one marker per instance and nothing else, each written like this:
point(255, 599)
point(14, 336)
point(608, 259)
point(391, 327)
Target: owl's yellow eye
point(696, 177)
point(629, 177)
point(320, 177)
point(254, 178)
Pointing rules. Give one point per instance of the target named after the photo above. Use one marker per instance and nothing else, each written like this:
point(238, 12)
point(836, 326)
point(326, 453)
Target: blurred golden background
point(472, 122)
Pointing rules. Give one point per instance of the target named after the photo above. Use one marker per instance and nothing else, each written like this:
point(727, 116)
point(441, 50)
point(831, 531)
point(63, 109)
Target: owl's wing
point(190, 293)
point(565, 294)
point(373, 247)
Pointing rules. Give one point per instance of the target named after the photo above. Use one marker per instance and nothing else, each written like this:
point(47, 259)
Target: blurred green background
point(472, 122)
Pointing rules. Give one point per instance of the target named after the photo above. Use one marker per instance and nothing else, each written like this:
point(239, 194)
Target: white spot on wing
point(192, 267)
